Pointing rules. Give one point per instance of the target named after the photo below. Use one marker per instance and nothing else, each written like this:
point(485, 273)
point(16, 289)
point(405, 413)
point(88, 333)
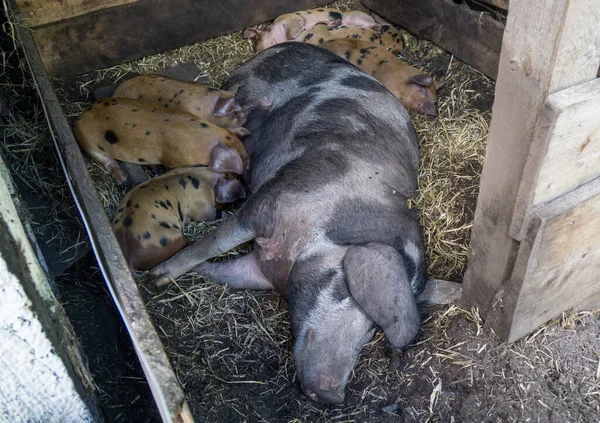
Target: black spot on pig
point(308, 37)
point(355, 36)
point(169, 204)
point(179, 211)
point(364, 51)
point(335, 16)
point(147, 235)
point(100, 147)
point(321, 40)
point(106, 104)
point(153, 216)
point(204, 125)
point(166, 120)
point(127, 221)
point(195, 182)
point(128, 203)
point(359, 62)
point(141, 160)
point(309, 280)
point(183, 183)
point(347, 55)
point(111, 137)
point(134, 110)
point(163, 241)
point(361, 82)
point(382, 62)
point(163, 205)
point(107, 117)
point(164, 225)
point(148, 133)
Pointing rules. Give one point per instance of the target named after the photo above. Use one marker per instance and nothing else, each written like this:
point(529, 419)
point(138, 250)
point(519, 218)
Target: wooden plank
point(111, 36)
point(165, 388)
point(565, 152)
point(41, 12)
point(473, 37)
point(528, 70)
point(557, 267)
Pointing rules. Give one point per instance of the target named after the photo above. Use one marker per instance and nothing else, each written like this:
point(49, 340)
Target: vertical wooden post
point(547, 46)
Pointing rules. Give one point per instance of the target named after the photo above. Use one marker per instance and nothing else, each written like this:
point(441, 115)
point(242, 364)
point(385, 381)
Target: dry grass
point(232, 349)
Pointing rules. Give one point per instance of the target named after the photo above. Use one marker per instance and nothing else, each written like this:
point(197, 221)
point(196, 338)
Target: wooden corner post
point(547, 47)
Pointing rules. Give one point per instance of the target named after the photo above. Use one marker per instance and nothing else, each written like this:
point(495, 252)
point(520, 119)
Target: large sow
point(333, 167)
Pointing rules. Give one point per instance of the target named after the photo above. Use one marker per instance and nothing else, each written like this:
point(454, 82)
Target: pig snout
point(428, 109)
point(324, 389)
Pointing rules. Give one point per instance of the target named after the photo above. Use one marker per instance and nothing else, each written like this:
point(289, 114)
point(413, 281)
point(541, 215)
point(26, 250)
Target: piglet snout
point(325, 390)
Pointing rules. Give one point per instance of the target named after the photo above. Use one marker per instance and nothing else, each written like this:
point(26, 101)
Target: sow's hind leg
point(228, 235)
point(241, 273)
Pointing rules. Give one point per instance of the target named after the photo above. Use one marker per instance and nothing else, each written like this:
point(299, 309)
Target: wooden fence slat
point(528, 70)
point(557, 266)
point(42, 12)
point(111, 36)
point(565, 152)
point(473, 37)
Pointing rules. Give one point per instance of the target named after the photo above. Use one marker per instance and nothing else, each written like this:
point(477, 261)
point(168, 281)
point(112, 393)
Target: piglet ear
point(251, 33)
point(229, 190)
point(378, 281)
point(438, 291)
point(226, 106)
point(240, 131)
point(225, 159)
point(421, 79)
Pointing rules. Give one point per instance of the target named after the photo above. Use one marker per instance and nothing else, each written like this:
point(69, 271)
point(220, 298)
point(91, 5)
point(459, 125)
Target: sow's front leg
point(241, 273)
point(228, 235)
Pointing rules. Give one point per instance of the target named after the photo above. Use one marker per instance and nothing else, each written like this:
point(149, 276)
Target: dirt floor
point(231, 350)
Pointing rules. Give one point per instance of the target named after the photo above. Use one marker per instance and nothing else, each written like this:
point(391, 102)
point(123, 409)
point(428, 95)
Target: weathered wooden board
point(165, 388)
point(111, 36)
point(473, 37)
point(41, 12)
point(528, 71)
point(565, 152)
point(557, 266)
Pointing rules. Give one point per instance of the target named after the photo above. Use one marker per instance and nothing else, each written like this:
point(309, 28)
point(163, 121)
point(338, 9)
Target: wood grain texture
point(41, 12)
point(557, 267)
point(111, 36)
point(528, 69)
point(565, 152)
point(165, 388)
point(473, 37)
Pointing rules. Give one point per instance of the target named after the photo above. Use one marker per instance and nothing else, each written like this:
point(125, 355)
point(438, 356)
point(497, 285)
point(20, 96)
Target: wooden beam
point(565, 152)
point(42, 12)
point(473, 37)
point(529, 69)
point(114, 35)
point(163, 383)
point(557, 266)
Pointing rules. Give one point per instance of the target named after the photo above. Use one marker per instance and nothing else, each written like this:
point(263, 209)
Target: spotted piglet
point(320, 34)
point(214, 106)
point(293, 25)
point(416, 90)
point(149, 221)
point(131, 131)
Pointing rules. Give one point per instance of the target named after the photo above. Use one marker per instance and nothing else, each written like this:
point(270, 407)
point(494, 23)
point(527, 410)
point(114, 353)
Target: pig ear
point(226, 106)
point(421, 79)
point(228, 190)
point(438, 291)
point(225, 159)
point(235, 87)
point(378, 281)
point(293, 28)
point(251, 33)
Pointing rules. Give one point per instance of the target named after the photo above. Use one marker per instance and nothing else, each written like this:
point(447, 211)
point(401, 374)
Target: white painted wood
point(37, 370)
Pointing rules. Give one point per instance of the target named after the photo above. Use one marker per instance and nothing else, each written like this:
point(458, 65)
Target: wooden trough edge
point(167, 393)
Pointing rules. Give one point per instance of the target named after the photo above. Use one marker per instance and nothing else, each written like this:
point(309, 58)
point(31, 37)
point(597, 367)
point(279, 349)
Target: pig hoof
point(140, 274)
point(396, 359)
